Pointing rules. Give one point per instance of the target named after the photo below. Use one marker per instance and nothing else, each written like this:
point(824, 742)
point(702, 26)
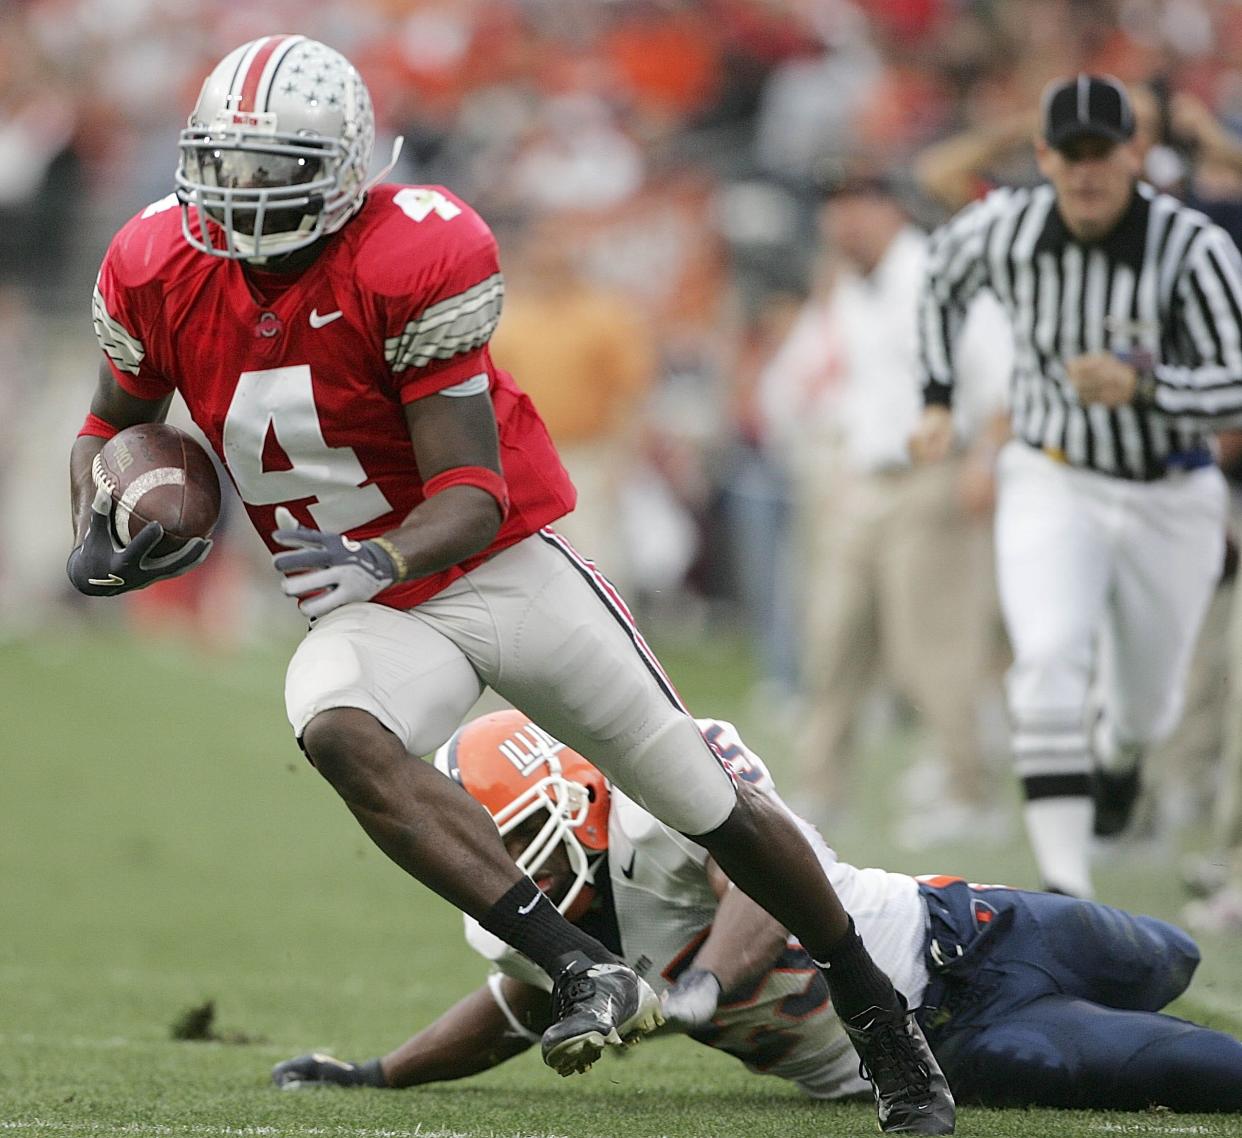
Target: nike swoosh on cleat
point(110, 579)
point(317, 321)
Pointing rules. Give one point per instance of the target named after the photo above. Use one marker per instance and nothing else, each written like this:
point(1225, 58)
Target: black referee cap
point(1087, 106)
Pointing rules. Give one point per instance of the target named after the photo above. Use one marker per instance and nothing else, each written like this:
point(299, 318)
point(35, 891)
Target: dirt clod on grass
point(197, 1025)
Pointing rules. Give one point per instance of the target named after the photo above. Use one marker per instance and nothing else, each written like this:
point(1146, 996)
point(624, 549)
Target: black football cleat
point(319, 1070)
point(911, 1093)
point(1114, 796)
point(596, 1006)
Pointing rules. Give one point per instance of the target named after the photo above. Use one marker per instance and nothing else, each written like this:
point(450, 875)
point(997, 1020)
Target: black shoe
point(597, 1005)
point(1114, 796)
point(911, 1093)
point(318, 1070)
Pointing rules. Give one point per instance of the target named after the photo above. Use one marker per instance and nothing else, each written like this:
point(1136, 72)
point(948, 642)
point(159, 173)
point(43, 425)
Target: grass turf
point(163, 843)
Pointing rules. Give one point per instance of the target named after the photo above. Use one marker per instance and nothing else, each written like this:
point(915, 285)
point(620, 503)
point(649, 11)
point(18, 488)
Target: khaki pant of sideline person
point(898, 581)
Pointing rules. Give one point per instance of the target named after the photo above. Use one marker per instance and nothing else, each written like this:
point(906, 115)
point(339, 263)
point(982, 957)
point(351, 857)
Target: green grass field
point(162, 843)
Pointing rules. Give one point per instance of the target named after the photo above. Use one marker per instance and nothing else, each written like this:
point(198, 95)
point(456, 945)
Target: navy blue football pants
point(1043, 1000)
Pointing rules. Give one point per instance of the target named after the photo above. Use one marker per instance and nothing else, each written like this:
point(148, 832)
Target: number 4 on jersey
point(419, 204)
point(282, 400)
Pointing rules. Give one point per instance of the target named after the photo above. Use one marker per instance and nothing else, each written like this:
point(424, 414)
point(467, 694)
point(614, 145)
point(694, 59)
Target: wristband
point(371, 1073)
point(479, 476)
point(400, 565)
point(98, 428)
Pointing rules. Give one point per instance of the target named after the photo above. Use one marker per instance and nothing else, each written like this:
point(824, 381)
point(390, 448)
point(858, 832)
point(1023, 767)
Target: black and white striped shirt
point(1163, 290)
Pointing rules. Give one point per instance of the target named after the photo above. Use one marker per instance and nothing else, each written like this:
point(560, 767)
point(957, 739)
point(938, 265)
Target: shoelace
point(893, 1059)
point(578, 989)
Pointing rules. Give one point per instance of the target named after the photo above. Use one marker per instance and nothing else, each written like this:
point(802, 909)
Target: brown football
point(157, 473)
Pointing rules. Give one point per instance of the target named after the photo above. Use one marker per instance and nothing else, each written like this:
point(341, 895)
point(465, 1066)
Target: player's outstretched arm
point(474, 1035)
point(744, 942)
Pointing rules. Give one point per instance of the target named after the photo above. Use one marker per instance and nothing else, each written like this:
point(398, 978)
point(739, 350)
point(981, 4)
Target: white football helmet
point(277, 150)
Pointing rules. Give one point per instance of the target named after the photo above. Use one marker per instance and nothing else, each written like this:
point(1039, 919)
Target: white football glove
point(328, 570)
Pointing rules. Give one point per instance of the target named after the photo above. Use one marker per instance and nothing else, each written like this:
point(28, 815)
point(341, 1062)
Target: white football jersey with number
point(780, 1023)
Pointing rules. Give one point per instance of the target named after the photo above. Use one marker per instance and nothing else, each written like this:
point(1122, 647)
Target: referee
point(1126, 309)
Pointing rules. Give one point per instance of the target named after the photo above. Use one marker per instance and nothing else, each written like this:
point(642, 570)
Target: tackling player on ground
point(1027, 998)
point(329, 336)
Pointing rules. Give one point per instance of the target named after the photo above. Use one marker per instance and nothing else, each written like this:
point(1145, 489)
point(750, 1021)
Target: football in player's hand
point(157, 473)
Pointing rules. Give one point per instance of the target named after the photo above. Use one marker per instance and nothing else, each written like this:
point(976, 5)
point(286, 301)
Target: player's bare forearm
point(744, 940)
point(81, 485)
point(446, 529)
point(448, 433)
point(470, 1037)
point(114, 405)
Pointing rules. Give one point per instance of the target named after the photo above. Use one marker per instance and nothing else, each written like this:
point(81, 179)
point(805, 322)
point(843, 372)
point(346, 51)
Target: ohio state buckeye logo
point(269, 325)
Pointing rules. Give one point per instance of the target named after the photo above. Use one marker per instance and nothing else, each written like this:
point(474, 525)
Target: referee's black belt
point(1176, 461)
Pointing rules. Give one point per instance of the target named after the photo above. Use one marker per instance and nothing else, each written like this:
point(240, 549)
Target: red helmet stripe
point(254, 73)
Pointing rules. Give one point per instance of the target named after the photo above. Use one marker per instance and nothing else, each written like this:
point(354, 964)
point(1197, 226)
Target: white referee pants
point(541, 627)
point(1105, 579)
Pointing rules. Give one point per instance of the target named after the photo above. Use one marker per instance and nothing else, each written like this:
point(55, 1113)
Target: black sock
point(527, 920)
point(855, 981)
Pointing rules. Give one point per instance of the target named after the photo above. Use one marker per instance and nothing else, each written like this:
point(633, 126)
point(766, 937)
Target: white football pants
point(541, 627)
point(1098, 568)
point(1102, 581)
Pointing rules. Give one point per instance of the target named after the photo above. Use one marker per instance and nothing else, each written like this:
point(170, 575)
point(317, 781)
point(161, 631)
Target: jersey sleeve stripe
point(458, 324)
point(122, 349)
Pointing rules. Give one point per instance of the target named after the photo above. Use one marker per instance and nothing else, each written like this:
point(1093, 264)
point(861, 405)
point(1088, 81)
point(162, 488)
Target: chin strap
point(397, 144)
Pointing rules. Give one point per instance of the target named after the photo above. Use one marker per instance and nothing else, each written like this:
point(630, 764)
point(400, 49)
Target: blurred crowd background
point(662, 176)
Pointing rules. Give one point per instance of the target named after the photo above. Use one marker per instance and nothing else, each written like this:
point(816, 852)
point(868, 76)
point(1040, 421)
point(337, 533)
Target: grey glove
point(692, 1001)
point(328, 570)
point(317, 1070)
point(100, 567)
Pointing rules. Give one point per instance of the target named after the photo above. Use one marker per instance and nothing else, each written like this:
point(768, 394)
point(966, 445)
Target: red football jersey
point(299, 383)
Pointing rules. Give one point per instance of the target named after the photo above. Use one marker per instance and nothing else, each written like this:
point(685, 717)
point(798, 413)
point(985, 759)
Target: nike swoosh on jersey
point(317, 321)
point(627, 871)
point(110, 579)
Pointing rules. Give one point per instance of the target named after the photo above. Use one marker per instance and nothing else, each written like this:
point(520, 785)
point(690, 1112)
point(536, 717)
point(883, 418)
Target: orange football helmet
point(516, 769)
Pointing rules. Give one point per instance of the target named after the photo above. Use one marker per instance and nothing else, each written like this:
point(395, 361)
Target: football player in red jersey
point(329, 336)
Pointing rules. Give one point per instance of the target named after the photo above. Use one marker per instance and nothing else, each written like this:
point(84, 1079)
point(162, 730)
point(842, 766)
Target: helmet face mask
point(564, 804)
point(253, 194)
point(276, 152)
point(527, 780)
